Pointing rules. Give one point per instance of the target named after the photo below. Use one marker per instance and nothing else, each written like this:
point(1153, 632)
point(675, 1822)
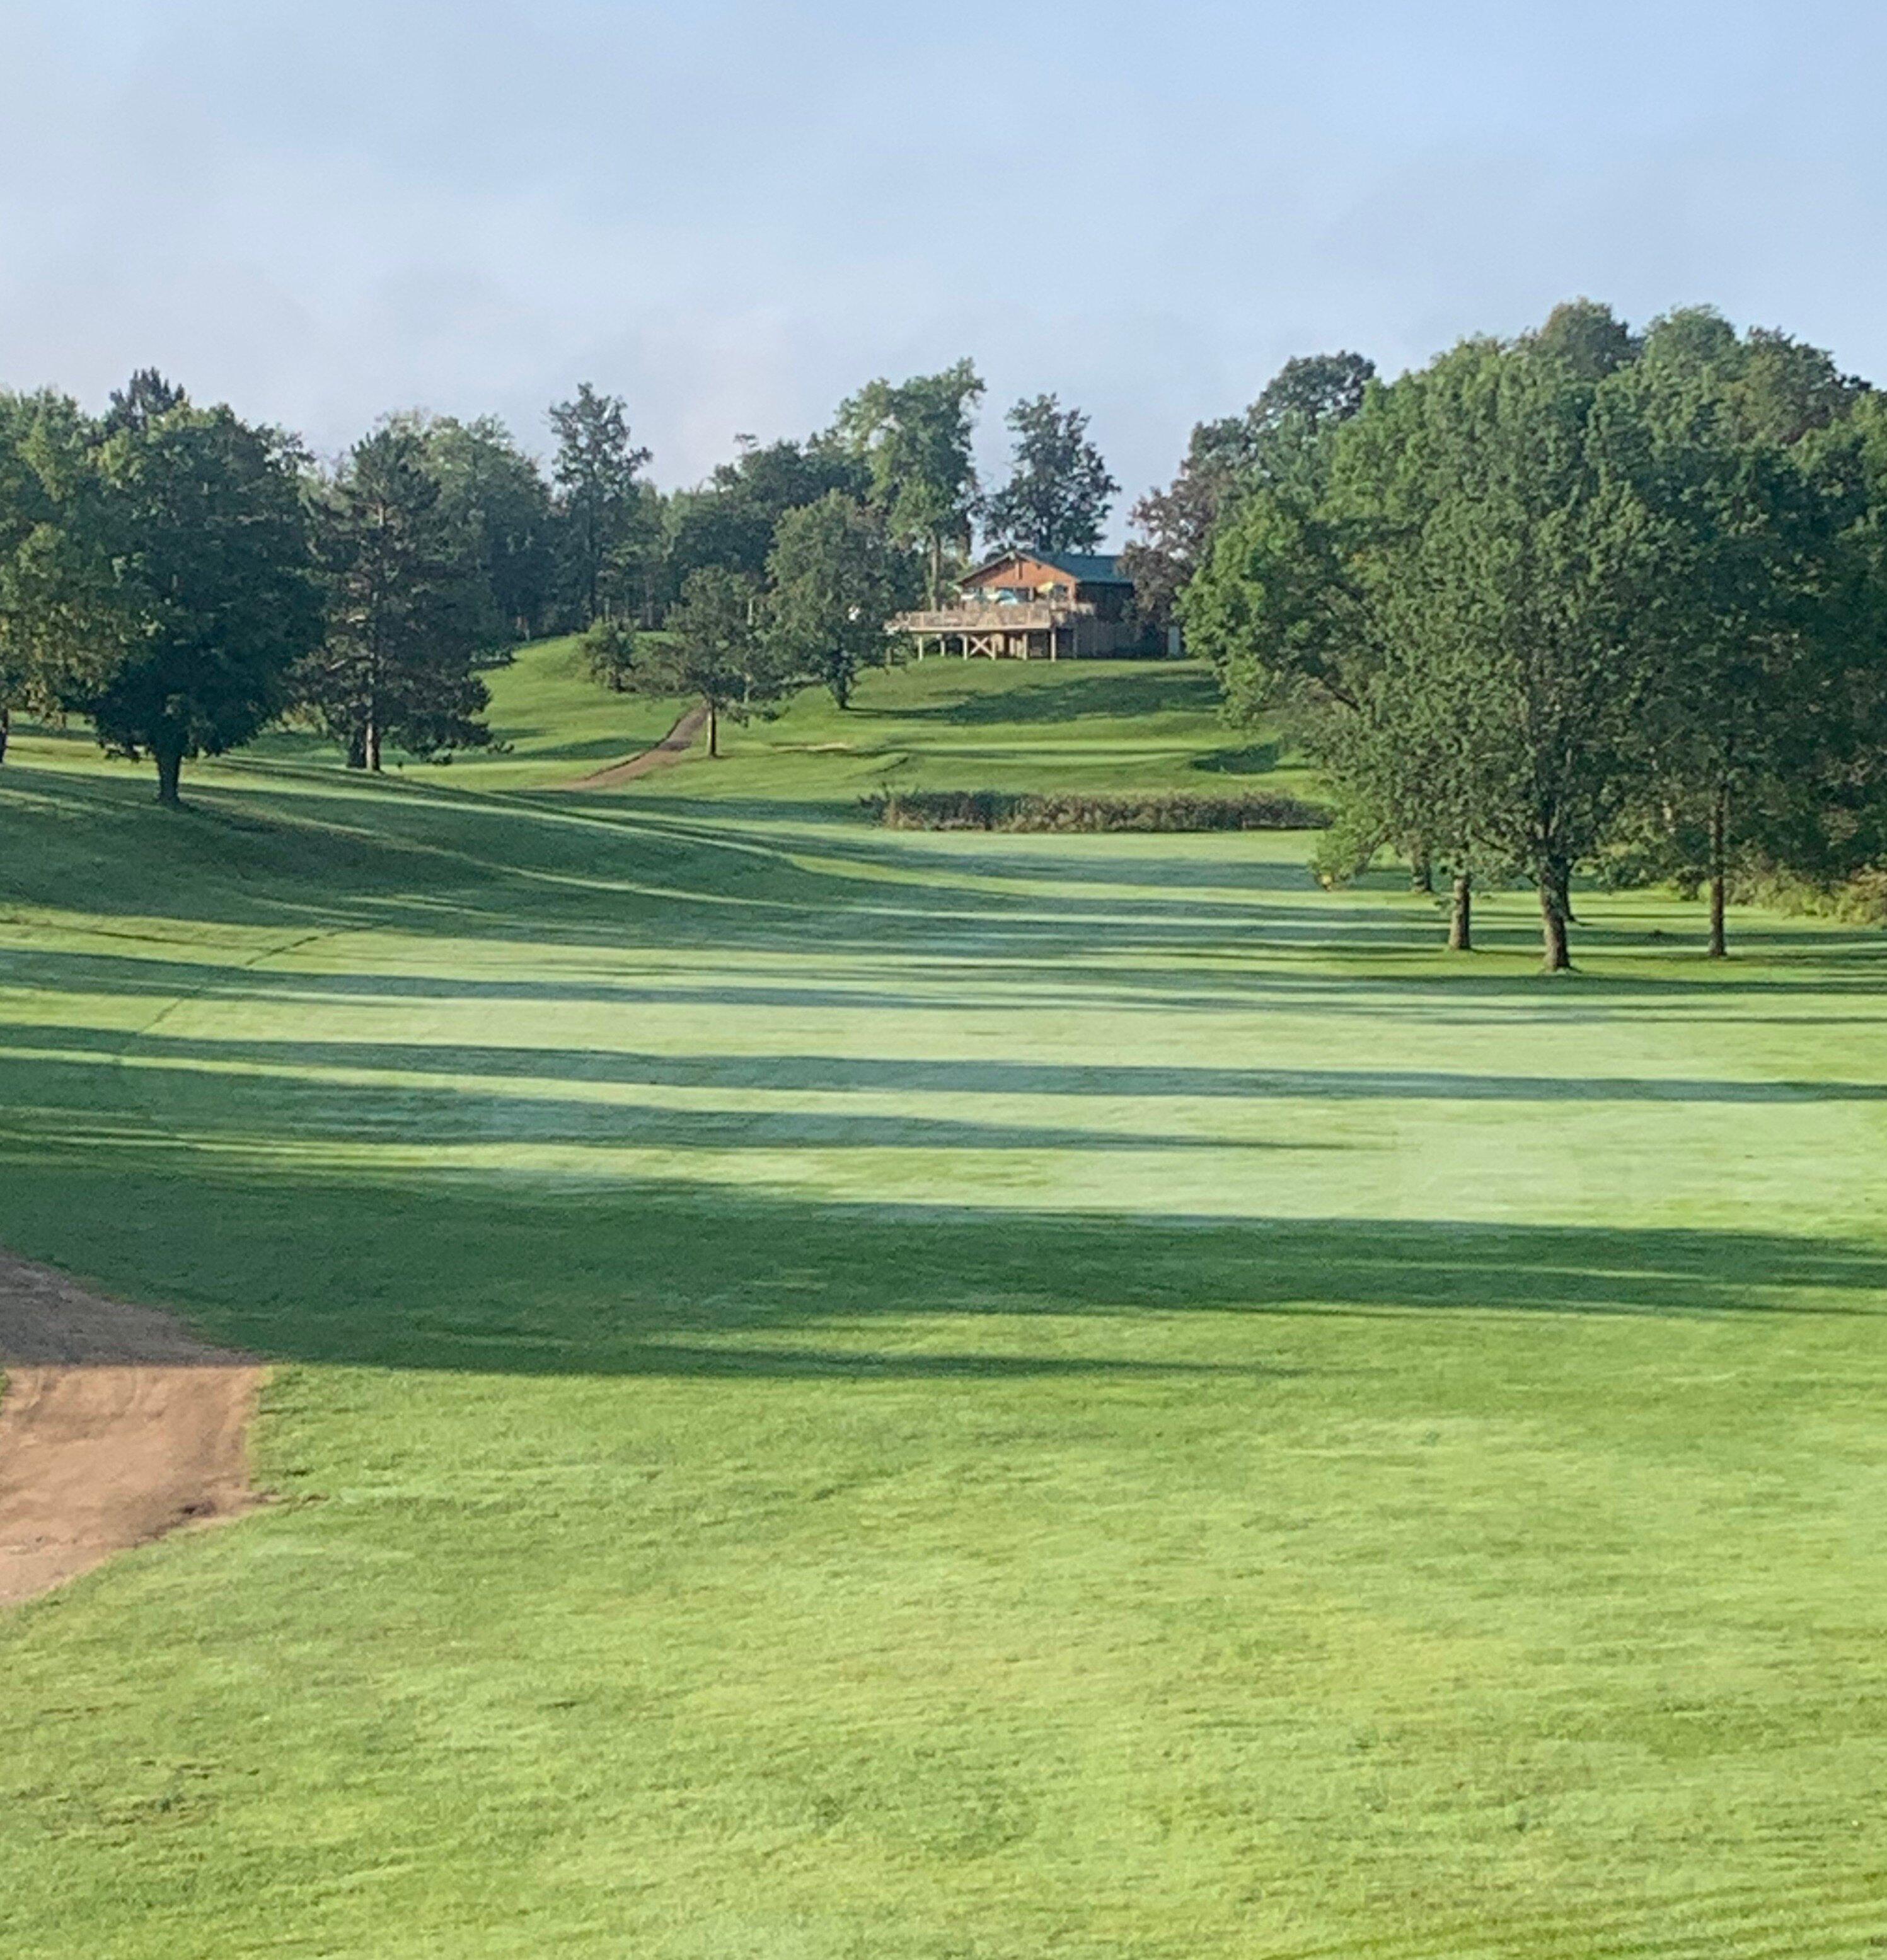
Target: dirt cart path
point(116, 1427)
point(671, 749)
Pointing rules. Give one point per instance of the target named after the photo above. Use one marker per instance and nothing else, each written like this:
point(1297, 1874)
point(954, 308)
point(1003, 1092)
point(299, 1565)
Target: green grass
point(846, 1394)
point(1086, 726)
point(551, 723)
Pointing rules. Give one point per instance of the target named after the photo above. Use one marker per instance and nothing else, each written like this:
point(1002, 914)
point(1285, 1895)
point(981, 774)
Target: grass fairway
point(849, 1395)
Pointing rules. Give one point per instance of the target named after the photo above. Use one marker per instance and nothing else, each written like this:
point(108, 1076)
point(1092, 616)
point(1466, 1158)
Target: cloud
point(734, 214)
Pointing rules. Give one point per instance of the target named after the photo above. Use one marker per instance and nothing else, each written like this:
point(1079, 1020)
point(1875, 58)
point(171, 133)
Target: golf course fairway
point(839, 1394)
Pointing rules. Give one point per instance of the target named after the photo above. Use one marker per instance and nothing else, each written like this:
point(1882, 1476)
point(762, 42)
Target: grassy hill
point(550, 723)
point(842, 1392)
point(1093, 725)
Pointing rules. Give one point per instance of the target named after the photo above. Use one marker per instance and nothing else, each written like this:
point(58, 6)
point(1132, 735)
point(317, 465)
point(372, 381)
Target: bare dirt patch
point(671, 749)
point(117, 1426)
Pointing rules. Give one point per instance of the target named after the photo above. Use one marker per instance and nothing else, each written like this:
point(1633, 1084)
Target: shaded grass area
point(844, 1393)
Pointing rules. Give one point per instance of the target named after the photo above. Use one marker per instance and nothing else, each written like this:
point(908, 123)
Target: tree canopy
point(404, 605)
point(1540, 596)
point(1059, 492)
point(1274, 439)
point(608, 525)
point(835, 580)
point(913, 438)
point(185, 573)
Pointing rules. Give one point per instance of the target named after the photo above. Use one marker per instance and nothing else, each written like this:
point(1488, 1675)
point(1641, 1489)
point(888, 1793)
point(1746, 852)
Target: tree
point(1292, 607)
point(835, 582)
point(1480, 573)
point(913, 438)
point(733, 519)
point(142, 399)
point(1731, 725)
point(1581, 598)
point(496, 505)
point(713, 647)
point(1274, 440)
point(1587, 337)
point(607, 520)
point(187, 567)
point(395, 665)
point(1738, 736)
point(1059, 491)
point(609, 649)
point(52, 589)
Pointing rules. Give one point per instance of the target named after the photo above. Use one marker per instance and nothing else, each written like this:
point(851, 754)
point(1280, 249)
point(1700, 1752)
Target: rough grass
point(850, 1393)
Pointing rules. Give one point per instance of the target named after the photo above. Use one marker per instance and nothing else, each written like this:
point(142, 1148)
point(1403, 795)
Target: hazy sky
point(734, 213)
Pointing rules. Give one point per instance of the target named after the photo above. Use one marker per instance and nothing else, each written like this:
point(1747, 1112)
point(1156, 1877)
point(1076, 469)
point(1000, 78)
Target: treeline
point(1590, 600)
point(184, 578)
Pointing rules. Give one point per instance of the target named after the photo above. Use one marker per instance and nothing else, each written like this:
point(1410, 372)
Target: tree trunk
point(1554, 880)
point(1421, 870)
point(1461, 916)
point(937, 569)
point(357, 749)
point(6, 730)
point(370, 746)
point(713, 730)
point(1719, 872)
point(170, 763)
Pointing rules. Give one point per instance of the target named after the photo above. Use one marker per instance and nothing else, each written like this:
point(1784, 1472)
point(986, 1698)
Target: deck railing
point(1027, 616)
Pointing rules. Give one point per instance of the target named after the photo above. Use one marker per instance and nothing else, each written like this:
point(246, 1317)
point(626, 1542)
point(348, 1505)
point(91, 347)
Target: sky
point(733, 213)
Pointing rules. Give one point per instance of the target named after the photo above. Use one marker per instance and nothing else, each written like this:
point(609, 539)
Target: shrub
point(1163, 810)
point(1860, 899)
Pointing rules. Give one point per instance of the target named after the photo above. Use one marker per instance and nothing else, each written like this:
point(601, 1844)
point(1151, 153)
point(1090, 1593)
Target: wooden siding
point(1022, 572)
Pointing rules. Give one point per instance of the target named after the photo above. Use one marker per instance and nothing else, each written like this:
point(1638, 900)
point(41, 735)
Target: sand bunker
point(117, 1426)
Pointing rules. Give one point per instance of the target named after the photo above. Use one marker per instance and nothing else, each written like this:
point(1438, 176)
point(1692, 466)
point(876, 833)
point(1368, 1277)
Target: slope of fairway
point(1085, 725)
point(550, 723)
point(848, 1393)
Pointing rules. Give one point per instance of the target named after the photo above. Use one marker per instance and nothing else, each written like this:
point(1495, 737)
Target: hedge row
point(997, 810)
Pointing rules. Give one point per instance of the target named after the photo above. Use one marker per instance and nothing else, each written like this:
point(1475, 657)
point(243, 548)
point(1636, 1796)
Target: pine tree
point(395, 668)
point(1059, 491)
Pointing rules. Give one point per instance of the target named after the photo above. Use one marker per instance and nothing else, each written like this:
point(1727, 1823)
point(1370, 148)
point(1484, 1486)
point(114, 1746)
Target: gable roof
point(1085, 569)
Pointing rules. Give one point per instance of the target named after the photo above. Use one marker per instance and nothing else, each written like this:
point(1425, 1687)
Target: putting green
point(844, 1393)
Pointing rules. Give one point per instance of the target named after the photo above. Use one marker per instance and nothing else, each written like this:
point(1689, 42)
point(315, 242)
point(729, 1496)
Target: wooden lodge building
point(1037, 605)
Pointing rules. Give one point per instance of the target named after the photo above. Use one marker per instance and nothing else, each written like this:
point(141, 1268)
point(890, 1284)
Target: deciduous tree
point(188, 561)
point(913, 438)
point(1272, 442)
point(713, 647)
point(733, 519)
point(836, 581)
point(1477, 574)
point(496, 505)
point(52, 588)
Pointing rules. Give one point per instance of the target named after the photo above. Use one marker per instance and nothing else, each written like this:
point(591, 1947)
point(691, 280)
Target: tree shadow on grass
point(1258, 759)
point(272, 1069)
point(899, 982)
point(505, 1273)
